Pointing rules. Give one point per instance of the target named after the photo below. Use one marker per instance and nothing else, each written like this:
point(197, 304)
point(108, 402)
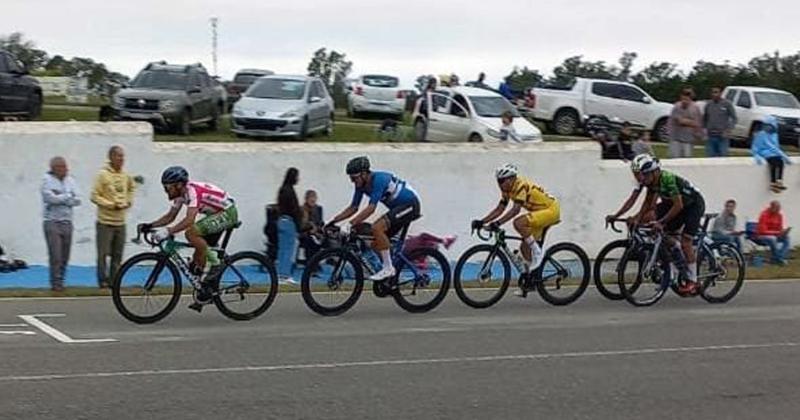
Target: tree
point(626, 63)
point(661, 80)
point(522, 78)
point(573, 67)
point(332, 68)
point(24, 50)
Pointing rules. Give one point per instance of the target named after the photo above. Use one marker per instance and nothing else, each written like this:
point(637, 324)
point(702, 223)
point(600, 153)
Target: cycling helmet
point(644, 163)
point(357, 165)
point(174, 175)
point(506, 171)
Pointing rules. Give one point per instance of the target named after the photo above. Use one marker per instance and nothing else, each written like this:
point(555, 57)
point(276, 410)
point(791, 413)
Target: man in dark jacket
point(719, 117)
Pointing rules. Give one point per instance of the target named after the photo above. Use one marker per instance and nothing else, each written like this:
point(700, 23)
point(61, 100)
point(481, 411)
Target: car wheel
point(475, 138)
point(565, 123)
point(420, 130)
point(34, 106)
point(184, 126)
point(661, 131)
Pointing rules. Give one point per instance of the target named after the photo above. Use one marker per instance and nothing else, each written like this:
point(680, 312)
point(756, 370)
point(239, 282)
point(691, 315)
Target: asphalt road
point(521, 359)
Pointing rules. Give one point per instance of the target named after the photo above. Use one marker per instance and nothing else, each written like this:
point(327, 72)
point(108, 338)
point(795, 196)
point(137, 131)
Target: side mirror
point(647, 100)
point(314, 99)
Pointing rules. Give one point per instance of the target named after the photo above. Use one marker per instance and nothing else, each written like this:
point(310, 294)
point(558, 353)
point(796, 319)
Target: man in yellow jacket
point(113, 195)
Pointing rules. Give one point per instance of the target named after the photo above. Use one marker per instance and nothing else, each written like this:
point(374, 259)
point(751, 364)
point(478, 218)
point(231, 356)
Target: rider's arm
point(515, 210)
point(343, 215)
point(188, 221)
point(167, 218)
point(677, 206)
point(366, 213)
point(647, 206)
point(497, 212)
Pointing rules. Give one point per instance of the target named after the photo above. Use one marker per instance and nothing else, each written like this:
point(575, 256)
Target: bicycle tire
point(400, 297)
point(267, 268)
point(314, 263)
point(597, 269)
point(461, 290)
point(628, 293)
point(160, 260)
point(541, 286)
point(708, 283)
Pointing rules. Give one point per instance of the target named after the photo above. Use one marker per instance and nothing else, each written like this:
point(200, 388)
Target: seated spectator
point(771, 233)
point(616, 145)
point(311, 236)
point(289, 218)
point(642, 144)
point(724, 227)
point(766, 147)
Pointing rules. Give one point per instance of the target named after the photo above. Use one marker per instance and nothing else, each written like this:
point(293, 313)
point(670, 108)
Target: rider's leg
point(381, 243)
point(529, 247)
point(200, 248)
point(691, 257)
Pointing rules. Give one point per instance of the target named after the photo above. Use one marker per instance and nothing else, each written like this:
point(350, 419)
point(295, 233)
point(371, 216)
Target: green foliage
point(333, 68)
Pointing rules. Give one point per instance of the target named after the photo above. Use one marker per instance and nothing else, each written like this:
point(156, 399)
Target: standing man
point(113, 196)
point(719, 118)
point(685, 125)
point(59, 195)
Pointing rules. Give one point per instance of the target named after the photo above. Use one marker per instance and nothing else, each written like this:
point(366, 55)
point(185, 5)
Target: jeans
point(287, 245)
point(717, 146)
point(778, 254)
point(734, 240)
point(680, 150)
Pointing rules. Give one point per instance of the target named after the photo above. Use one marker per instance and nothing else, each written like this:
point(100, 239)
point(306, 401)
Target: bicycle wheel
point(482, 276)
point(721, 272)
point(641, 281)
point(606, 269)
point(146, 288)
point(332, 282)
point(565, 274)
point(422, 280)
point(247, 286)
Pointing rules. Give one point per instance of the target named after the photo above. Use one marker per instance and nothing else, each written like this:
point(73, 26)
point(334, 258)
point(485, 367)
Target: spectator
point(454, 80)
point(642, 145)
point(480, 83)
point(771, 233)
point(289, 217)
point(766, 147)
point(724, 228)
point(113, 196)
point(685, 125)
point(312, 224)
point(59, 195)
point(507, 130)
point(719, 117)
point(505, 90)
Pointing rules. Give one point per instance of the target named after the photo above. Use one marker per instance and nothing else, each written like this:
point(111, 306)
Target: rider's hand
point(494, 226)
point(610, 219)
point(144, 227)
point(631, 221)
point(656, 225)
point(477, 224)
point(160, 234)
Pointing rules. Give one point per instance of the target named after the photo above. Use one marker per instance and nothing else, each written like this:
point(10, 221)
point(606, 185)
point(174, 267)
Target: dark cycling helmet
point(174, 175)
point(357, 165)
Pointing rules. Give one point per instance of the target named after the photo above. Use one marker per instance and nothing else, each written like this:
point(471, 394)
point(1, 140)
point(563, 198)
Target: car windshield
point(777, 100)
point(381, 81)
point(246, 78)
point(277, 89)
point(161, 80)
point(492, 106)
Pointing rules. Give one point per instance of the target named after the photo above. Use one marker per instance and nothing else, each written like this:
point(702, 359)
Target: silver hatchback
point(284, 106)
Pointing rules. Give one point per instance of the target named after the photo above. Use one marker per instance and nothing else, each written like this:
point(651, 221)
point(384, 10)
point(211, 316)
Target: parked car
point(467, 114)
point(563, 108)
point(754, 103)
point(284, 106)
point(20, 93)
point(378, 94)
point(241, 81)
point(172, 97)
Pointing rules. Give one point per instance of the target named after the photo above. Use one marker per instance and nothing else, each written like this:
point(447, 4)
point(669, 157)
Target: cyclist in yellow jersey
point(543, 211)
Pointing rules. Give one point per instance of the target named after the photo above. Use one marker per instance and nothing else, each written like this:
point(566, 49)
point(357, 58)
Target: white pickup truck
point(563, 109)
point(754, 103)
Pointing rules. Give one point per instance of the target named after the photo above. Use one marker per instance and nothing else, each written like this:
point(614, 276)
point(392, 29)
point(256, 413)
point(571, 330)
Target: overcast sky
point(405, 38)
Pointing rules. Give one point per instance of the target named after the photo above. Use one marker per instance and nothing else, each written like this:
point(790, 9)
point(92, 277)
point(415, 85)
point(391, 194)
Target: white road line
point(56, 334)
point(12, 325)
point(383, 363)
point(17, 332)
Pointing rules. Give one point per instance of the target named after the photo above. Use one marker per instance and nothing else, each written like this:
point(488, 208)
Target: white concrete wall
point(455, 181)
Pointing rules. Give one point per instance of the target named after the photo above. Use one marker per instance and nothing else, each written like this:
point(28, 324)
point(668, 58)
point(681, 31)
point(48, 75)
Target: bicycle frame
point(501, 245)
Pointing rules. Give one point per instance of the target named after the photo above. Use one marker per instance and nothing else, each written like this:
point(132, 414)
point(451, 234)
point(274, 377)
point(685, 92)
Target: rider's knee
point(378, 228)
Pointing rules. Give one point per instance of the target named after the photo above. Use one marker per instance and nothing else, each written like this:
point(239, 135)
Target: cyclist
point(679, 213)
point(199, 198)
point(637, 190)
point(543, 211)
point(395, 193)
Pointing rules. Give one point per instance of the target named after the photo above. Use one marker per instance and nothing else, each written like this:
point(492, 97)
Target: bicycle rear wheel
point(247, 286)
point(422, 280)
point(332, 282)
point(641, 283)
point(606, 269)
point(146, 288)
point(565, 274)
point(482, 276)
point(721, 273)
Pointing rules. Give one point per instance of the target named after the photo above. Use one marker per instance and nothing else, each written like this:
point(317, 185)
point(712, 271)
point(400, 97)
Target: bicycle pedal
point(196, 306)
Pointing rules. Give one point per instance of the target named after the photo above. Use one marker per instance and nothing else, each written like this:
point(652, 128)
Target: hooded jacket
point(766, 145)
point(111, 190)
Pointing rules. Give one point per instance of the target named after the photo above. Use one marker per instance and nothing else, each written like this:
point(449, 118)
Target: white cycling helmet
point(644, 163)
point(506, 171)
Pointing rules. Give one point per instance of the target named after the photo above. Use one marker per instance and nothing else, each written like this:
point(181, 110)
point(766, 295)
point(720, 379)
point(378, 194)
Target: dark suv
point(20, 93)
point(172, 97)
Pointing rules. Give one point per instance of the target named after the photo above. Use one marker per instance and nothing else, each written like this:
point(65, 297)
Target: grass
point(92, 101)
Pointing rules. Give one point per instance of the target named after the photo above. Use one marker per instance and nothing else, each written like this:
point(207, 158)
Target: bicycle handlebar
point(613, 224)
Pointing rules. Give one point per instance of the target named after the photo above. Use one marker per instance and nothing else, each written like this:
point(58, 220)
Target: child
point(642, 144)
point(507, 131)
point(766, 147)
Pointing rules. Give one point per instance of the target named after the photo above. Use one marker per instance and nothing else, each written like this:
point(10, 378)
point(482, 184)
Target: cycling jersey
point(388, 189)
point(671, 185)
point(207, 198)
point(529, 195)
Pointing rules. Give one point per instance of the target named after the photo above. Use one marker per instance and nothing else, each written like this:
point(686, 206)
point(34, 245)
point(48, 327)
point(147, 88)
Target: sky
point(404, 38)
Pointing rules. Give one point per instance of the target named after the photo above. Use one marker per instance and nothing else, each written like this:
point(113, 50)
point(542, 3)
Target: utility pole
point(214, 23)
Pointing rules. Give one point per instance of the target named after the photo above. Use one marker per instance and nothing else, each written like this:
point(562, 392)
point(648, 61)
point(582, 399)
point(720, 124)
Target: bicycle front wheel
point(247, 286)
point(332, 282)
point(721, 272)
point(146, 288)
point(642, 282)
point(565, 274)
point(482, 276)
point(423, 278)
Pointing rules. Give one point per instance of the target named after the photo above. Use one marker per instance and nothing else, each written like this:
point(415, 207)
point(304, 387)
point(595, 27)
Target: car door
point(449, 121)
point(317, 106)
point(632, 105)
point(5, 85)
point(600, 100)
point(13, 91)
point(745, 115)
point(197, 97)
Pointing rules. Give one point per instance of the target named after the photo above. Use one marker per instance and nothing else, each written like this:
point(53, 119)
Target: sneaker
point(448, 241)
point(779, 185)
point(287, 280)
point(520, 293)
point(384, 274)
point(689, 288)
point(196, 306)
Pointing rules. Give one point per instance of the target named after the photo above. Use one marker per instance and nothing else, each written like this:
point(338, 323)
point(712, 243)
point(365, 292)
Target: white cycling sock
point(386, 259)
point(536, 252)
point(693, 272)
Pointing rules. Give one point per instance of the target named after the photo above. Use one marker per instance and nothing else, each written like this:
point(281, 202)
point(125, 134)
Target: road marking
point(383, 363)
point(12, 325)
point(17, 333)
point(58, 335)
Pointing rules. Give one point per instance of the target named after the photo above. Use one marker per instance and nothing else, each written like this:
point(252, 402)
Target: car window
point(12, 65)
point(603, 89)
point(460, 108)
point(441, 102)
point(246, 78)
point(731, 95)
point(629, 93)
point(160, 80)
point(289, 89)
point(744, 100)
point(776, 100)
point(320, 90)
point(3, 66)
point(381, 81)
point(493, 106)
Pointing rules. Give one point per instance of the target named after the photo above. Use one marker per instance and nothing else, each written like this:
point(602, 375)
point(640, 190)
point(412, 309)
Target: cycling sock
point(693, 272)
point(536, 252)
point(386, 258)
point(212, 258)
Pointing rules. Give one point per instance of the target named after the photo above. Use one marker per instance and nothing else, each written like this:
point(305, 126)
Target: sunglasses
point(354, 178)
